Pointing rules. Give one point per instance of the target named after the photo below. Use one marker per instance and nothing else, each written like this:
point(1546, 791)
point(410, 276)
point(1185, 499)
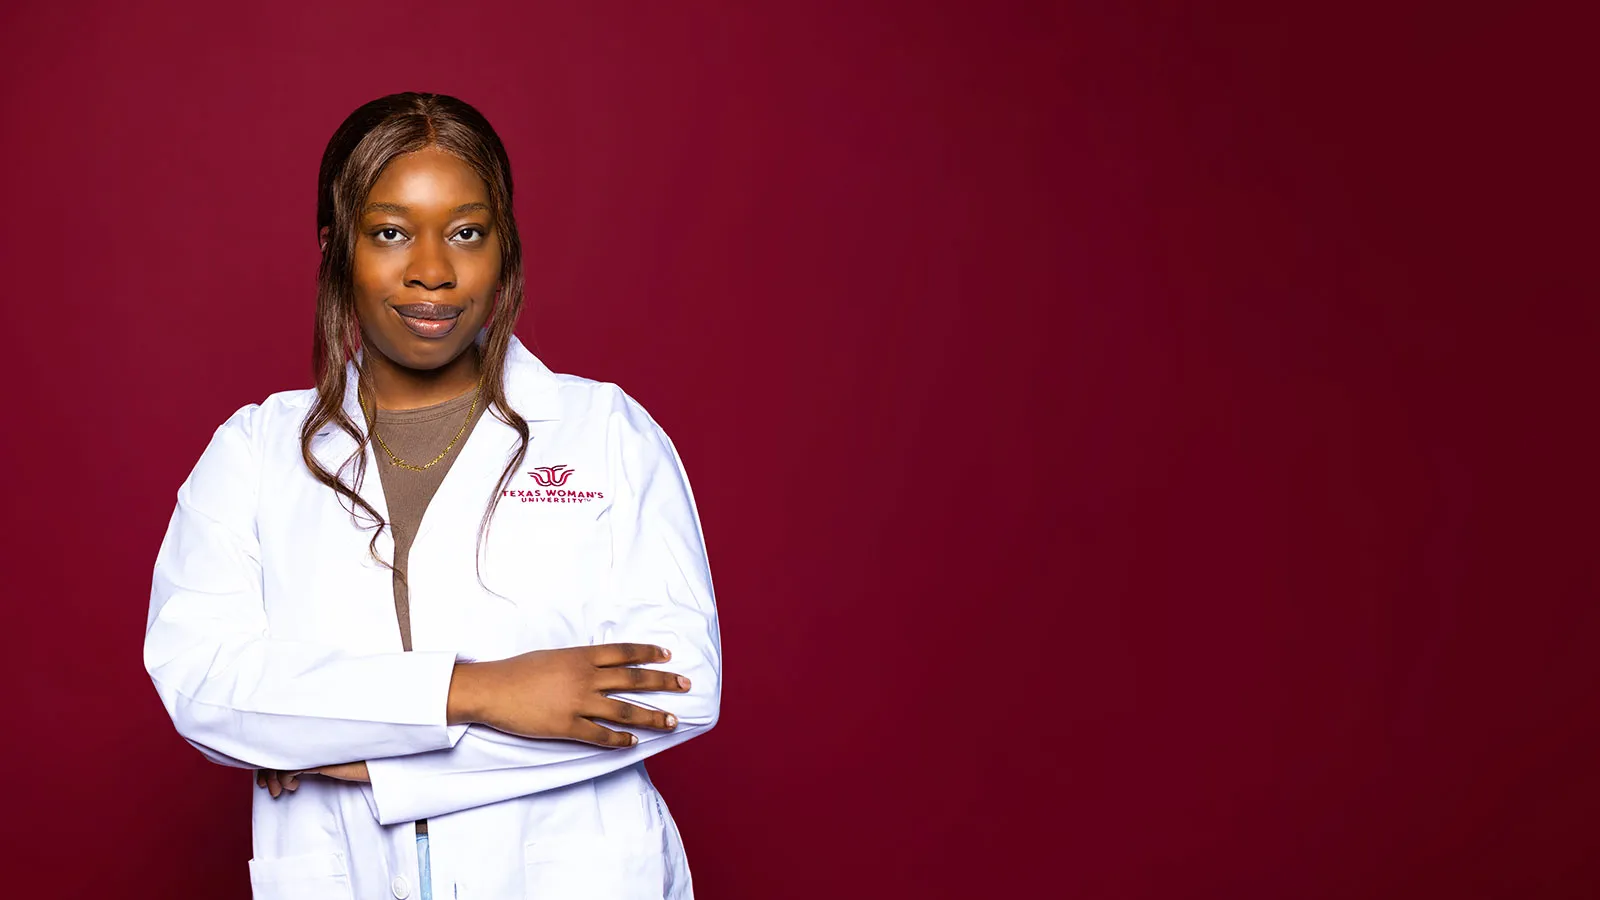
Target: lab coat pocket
point(307, 876)
point(597, 867)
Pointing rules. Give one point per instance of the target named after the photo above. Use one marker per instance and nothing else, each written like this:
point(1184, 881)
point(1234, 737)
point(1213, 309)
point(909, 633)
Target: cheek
point(371, 281)
point(485, 278)
point(482, 291)
point(369, 273)
point(369, 306)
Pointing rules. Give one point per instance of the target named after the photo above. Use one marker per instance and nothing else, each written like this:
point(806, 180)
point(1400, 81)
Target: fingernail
point(672, 721)
point(665, 653)
point(683, 682)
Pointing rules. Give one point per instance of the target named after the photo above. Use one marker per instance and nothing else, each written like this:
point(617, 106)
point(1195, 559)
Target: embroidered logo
point(551, 476)
point(552, 487)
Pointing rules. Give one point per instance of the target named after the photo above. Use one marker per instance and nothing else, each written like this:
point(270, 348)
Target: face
point(427, 260)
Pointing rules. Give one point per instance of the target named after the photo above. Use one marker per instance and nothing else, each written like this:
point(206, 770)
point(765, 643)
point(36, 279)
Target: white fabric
point(273, 643)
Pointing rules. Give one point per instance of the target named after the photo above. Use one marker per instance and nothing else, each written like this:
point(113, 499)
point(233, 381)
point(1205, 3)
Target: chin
point(422, 354)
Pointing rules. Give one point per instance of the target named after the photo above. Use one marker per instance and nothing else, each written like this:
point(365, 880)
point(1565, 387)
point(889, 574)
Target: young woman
point(447, 672)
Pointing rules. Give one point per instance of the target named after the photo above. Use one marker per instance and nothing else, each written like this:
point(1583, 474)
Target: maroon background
point(1144, 452)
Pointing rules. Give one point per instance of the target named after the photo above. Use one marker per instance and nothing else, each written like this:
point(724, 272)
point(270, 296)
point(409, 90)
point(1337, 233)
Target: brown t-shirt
point(417, 436)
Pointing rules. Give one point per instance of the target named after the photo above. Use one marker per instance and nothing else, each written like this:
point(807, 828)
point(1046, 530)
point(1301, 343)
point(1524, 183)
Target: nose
point(429, 267)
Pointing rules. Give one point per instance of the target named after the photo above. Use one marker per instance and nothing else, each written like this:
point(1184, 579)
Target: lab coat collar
point(530, 387)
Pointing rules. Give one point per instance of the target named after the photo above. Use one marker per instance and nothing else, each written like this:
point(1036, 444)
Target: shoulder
point(601, 415)
point(605, 404)
point(225, 481)
point(249, 438)
point(261, 423)
point(537, 392)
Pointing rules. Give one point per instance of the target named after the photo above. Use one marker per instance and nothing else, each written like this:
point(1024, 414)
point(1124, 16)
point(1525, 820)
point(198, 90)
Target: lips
point(429, 320)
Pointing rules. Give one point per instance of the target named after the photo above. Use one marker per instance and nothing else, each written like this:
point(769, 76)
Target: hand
point(356, 771)
point(556, 693)
point(276, 781)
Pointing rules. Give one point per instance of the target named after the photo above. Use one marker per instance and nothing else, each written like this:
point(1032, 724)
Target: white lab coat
point(273, 643)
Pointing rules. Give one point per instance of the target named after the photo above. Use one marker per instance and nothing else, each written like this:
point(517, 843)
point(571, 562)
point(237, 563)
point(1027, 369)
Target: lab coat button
point(401, 888)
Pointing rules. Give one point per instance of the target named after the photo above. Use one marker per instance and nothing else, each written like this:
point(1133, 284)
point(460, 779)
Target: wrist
point(464, 704)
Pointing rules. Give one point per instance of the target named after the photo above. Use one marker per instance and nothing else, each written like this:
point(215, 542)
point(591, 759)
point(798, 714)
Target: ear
point(322, 238)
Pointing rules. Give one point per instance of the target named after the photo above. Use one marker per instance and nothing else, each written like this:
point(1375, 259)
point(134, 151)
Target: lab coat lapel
point(531, 391)
point(466, 489)
point(331, 446)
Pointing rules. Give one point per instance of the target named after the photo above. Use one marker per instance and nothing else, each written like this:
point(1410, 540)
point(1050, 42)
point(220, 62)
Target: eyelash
point(386, 228)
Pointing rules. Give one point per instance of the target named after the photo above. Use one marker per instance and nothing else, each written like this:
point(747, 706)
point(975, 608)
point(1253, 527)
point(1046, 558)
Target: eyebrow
point(406, 210)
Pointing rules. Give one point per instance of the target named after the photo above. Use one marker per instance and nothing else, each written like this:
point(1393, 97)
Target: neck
point(397, 387)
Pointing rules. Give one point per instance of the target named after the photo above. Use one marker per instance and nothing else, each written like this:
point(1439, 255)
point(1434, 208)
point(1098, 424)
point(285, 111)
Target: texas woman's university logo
point(551, 476)
point(552, 489)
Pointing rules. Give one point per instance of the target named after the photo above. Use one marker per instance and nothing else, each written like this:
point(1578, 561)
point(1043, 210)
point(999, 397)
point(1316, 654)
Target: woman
point(419, 664)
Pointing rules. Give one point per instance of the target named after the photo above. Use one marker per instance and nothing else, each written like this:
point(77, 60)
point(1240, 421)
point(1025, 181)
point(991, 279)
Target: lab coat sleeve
point(659, 592)
point(235, 693)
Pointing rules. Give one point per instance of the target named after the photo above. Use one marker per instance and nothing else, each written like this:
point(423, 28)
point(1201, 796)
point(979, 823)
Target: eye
point(471, 228)
point(383, 231)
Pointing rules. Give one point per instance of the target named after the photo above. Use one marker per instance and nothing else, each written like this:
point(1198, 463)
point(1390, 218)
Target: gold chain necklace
point(395, 460)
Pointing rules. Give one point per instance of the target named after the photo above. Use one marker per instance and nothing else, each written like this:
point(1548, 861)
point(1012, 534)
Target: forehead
point(428, 181)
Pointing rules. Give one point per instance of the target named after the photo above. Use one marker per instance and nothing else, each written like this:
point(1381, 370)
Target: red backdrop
point(1142, 448)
